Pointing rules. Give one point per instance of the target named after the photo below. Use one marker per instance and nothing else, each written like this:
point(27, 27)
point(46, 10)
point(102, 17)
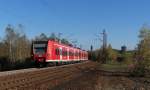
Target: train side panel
point(49, 53)
point(57, 52)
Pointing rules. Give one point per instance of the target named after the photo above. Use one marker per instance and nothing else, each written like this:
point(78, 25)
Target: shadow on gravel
point(6, 65)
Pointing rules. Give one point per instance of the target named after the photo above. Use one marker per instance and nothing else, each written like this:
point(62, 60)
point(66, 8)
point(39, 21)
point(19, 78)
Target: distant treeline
point(15, 47)
point(139, 58)
point(109, 55)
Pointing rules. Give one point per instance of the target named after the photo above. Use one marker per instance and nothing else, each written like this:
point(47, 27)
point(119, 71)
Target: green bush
point(139, 71)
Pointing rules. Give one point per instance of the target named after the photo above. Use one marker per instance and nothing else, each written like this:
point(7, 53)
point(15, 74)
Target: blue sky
point(79, 19)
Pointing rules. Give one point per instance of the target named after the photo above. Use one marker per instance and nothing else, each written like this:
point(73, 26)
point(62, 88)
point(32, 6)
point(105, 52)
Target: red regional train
point(44, 52)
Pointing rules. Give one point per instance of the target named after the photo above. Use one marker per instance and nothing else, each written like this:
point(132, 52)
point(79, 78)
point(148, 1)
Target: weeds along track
point(43, 78)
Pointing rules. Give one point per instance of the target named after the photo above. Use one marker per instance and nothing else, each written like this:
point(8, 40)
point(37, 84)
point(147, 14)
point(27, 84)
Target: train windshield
point(39, 47)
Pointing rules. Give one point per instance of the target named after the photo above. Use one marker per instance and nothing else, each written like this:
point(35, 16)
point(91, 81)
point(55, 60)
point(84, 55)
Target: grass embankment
point(127, 68)
point(114, 67)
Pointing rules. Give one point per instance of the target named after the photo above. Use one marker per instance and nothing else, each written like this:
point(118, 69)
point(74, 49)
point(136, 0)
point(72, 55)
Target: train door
point(57, 52)
point(74, 54)
point(60, 51)
point(67, 53)
point(78, 55)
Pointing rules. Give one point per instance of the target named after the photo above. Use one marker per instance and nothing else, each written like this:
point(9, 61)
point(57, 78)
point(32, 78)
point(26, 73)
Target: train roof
point(39, 41)
point(46, 41)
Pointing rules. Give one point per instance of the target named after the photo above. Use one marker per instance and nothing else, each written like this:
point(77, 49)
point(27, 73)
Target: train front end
point(39, 50)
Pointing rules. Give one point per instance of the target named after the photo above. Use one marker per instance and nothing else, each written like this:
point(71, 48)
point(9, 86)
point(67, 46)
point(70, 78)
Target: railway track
point(43, 78)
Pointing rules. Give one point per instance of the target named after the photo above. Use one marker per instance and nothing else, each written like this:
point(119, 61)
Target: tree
point(102, 55)
point(143, 52)
point(53, 37)
point(16, 44)
point(42, 37)
point(10, 41)
point(65, 41)
point(112, 54)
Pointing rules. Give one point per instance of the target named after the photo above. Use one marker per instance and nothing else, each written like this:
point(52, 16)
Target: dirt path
point(93, 80)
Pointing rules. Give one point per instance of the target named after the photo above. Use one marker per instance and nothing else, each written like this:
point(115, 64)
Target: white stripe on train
point(64, 60)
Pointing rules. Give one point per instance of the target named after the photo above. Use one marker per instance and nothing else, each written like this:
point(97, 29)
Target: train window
point(39, 47)
point(64, 53)
point(79, 54)
point(57, 51)
point(70, 53)
point(76, 54)
point(40, 50)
